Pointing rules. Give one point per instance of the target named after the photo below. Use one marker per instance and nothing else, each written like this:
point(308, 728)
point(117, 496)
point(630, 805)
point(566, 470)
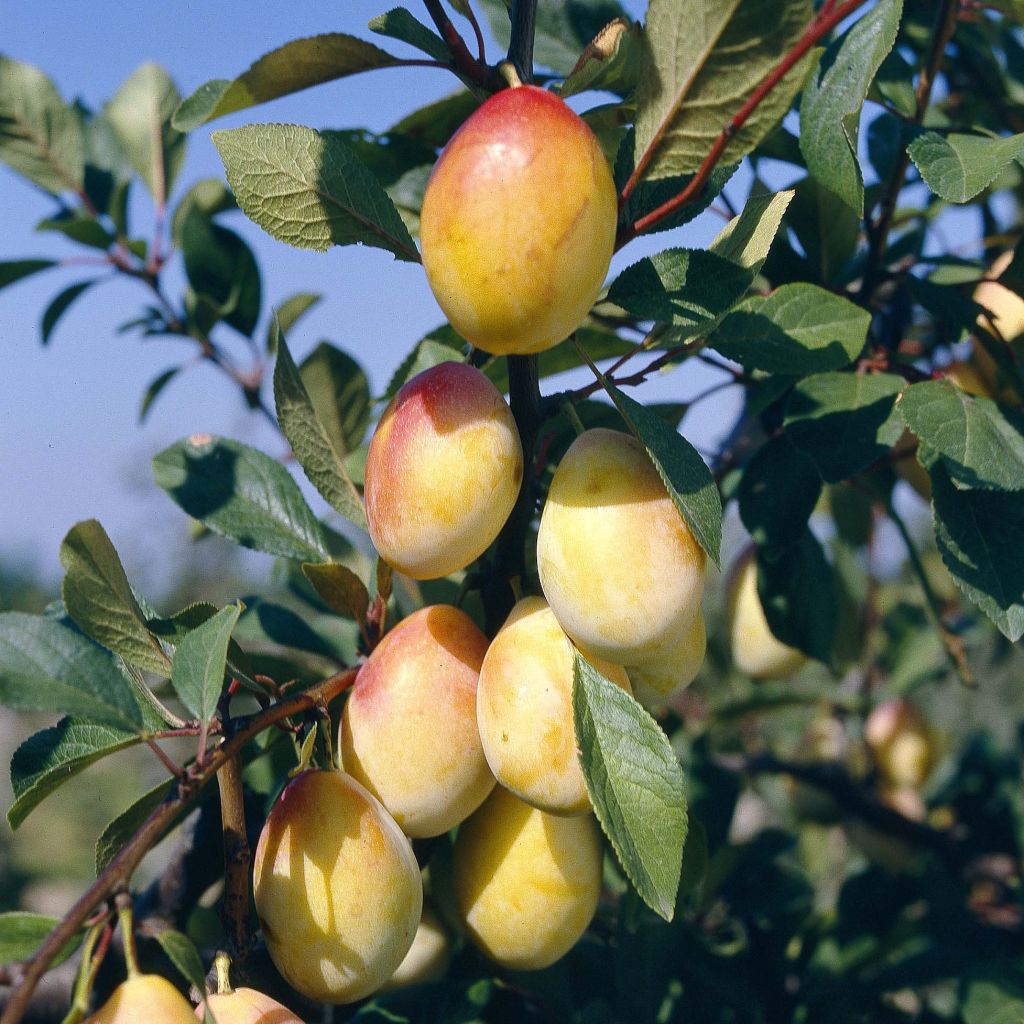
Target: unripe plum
point(756, 651)
point(618, 565)
point(524, 709)
point(145, 997)
point(247, 1006)
point(427, 960)
point(409, 730)
point(526, 882)
point(657, 681)
point(901, 743)
point(442, 472)
point(518, 223)
point(337, 888)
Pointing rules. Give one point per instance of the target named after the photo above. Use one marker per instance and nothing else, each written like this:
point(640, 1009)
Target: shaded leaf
point(182, 952)
point(197, 671)
point(340, 588)
point(288, 314)
point(826, 228)
point(156, 386)
point(340, 392)
point(958, 167)
point(127, 823)
point(79, 228)
point(14, 270)
point(60, 305)
point(209, 196)
point(399, 24)
point(437, 122)
point(22, 933)
point(611, 61)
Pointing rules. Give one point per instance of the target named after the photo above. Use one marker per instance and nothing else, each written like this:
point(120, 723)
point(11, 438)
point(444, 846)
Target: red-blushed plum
point(145, 997)
point(409, 729)
point(247, 1006)
point(518, 223)
point(442, 472)
point(337, 888)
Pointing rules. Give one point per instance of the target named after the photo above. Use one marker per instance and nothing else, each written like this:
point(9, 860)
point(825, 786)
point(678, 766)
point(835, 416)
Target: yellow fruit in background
point(526, 883)
point(428, 958)
point(337, 888)
point(1007, 309)
point(967, 378)
point(518, 223)
point(247, 1006)
point(618, 565)
point(756, 651)
point(442, 472)
point(524, 709)
point(145, 997)
point(656, 682)
point(409, 729)
point(901, 744)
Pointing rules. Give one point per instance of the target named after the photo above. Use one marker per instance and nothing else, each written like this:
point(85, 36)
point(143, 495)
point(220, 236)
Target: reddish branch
point(465, 63)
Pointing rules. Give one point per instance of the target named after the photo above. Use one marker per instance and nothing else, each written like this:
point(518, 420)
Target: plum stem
point(520, 47)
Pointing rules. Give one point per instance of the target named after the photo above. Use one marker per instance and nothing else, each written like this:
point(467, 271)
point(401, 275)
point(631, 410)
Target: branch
point(237, 858)
point(465, 63)
point(118, 873)
point(520, 48)
point(826, 20)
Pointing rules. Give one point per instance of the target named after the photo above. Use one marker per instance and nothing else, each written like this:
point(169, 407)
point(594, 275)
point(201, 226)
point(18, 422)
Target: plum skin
point(144, 997)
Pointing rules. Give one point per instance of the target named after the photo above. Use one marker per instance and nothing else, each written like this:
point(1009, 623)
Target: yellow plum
point(145, 997)
point(247, 1006)
point(901, 743)
point(427, 960)
point(655, 682)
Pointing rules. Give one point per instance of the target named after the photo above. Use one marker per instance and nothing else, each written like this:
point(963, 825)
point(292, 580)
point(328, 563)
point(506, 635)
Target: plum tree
point(145, 997)
point(518, 223)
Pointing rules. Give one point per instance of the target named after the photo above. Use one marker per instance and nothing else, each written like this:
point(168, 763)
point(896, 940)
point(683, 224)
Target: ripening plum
point(247, 1006)
point(145, 997)
point(428, 958)
point(442, 472)
point(409, 730)
point(337, 888)
point(901, 743)
point(524, 709)
point(655, 682)
point(618, 565)
point(518, 223)
point(526, 883)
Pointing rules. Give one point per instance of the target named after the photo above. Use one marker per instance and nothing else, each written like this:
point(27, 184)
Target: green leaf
point(980, 535)
point(288, 314)
point(799, 328)
point(947, 304)
point(197, 671)
point(308, 189)
point(611, 61)
point(49, 758)
point(401, 25)
point(704, 61)
point(993, 993)
point(79, 228)
point(844, 421)
point(832, 101)
point(688, 480)
point(99, 598)
point(22, 933)
point(826, 228)
point(156, 386)
point(127, 823)
point(340, 587)
point(340, 393)
point(182, 952)
point(982, 445)
point(210, 196)
point(777, 493)
point(45, 665)
point(40, 135)
point(440, 346)
point(60, 305)
point(14, 270)
point(635, 783)
point(140, 114)
point(958, 167)
point(437, 122)
point(747, 239)
point(241, 494)
point(321, 461)
point(290, 68)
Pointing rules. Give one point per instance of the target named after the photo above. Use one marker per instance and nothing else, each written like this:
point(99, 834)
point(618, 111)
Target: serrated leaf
point(45, 665)
point(182, 952)
point(59, 306)
point(399, 24)
point(125, 825)
point(635, 783)
point(308, 189)
point(704, 61)
point(980, 535)
point(340, 392)
point(610, 62)
point(156, 386)
point(197, 671)
point(747, 239)
point(844, 421)
point(290, 68)
point(981, 444)
point(22, 933)
point(140, 114)
point(288, 314)
point(831, 106)
point(799, 328)
point(40, 135)
point(241, 494)
point(320, 460)
point(14, 270)
point(958, 167)
point(340, 588)
point(100, 599)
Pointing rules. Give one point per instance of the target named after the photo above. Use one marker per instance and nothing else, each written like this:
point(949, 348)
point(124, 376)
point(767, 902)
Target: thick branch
point(237, 858)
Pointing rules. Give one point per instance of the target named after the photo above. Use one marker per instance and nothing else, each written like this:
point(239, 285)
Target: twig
point(237, 857)
point(480, 48)
point(465, 63)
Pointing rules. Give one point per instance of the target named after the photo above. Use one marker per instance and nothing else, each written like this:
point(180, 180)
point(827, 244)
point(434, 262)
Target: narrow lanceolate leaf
point(197, 672)
point(688, 480)
point(59, 306)
point(320, 459)
point(182, 952)
point(611, 61)
point(980, 535)
point(49, 758)
point(340, 587)
point(981, 444)
point(800, 328)
point(635, 783)
point(747, 239)
point(47, 665)
point(40, 135)
point(22, 933)
point(156, 387)
point(294, 66)
point(309, 189)
point(399, 24)
point(99, 598)
point(242, 494)
point(140, 114)
point(705, 59)
point(957, 167)
point(832, 101)
point(124, 826)
point(14, 270)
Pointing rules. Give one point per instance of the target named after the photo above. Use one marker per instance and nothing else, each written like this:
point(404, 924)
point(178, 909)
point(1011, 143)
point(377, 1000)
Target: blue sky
point(71, 447)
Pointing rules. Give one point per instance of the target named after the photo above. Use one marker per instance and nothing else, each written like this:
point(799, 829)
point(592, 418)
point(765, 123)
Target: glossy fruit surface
point(655, 682)
point(337, 888)
point(526, 883)
point(247, 1006)
point(518, 223)
point(524, 709)
point(409, 729)
point(618, 565)
point(442, 472)
point(145, 997)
